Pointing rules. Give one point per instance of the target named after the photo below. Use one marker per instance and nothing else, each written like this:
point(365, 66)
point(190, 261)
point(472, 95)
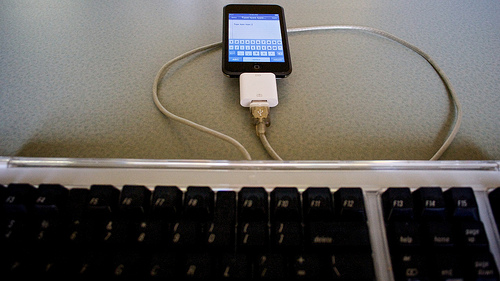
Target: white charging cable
point(449, 89)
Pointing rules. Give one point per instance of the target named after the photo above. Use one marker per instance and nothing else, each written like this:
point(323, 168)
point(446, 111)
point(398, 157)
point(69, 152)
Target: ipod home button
point(256, 66)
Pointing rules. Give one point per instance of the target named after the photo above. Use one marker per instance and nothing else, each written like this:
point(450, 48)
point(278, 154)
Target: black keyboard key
point(481, 266)
point(338, 235)
point(403, 236)
point(78, 199)
point(220, 237)
point(76, 233)
point(163, 266)
point(285, 204)
point(233, 267)
point(114, 233)
point(446, 266)
point(351, 266)
point(51, 200)
point(253, 236)
point(185, 234)
point(103, 201)
point(461, 203)
point(270, 267)
point(318, 204)
point(50, 265)
point(19, 199)
point(15, 265)
point(429, 203)
point(127, 265)
point(225, 207)
point(410, 266)
point(438, 234)
point(198, 266)
point(308, 267)
point(471, 236)
point(198, 203)
point(134, 201)
point(47, 231)
point(397, 204)
point(349, 204)
point(150, 235)
point(253, 204)
point(90, 266)
point(166, 203)
point(287, 236)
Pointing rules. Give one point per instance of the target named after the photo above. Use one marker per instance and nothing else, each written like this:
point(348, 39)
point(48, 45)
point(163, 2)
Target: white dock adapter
point(258, 87)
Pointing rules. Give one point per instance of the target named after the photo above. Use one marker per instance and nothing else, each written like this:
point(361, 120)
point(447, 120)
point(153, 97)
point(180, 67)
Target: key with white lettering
point(397, 204)
point(461, 203)
point(338, 235)
point(270, 267)
point(446, 266)
point(285, 204)
point(253, 236)
point(103, 201)
point(286, 236)
point(166, 203)
point(429, 203)
point(198, 203)
point(233, 267)
point(318, 204)
point(481, 266)
point(253, 204)
point(198, 267)
point(471, 235)
point(51, 199)
point(410, 266)
point(403, 236)
point(307, 267)
point(220, 231)
point(185, 234)
point(438, 234)
point(349, 204)
point(351, 266)
point(134, 201)
point(77, 234)
point(19, 199)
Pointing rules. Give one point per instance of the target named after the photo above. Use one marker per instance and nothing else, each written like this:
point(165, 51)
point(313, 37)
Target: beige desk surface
point(76, 81)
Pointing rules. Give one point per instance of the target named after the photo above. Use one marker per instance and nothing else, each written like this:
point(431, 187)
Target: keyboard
point(256, 50)
point(130, 219)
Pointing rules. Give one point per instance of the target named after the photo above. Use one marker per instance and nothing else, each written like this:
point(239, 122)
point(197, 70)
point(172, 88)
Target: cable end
point(260, 115)
point(258, 87)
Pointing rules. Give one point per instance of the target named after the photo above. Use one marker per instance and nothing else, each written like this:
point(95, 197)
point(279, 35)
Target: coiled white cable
point(164, 69)
point(161, 73)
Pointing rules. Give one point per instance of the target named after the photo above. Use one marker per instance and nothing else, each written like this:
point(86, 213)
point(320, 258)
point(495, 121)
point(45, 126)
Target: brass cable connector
point(260, 114)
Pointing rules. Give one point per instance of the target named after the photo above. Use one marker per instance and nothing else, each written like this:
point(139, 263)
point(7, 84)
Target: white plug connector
point(259, 92)
point(258, 87)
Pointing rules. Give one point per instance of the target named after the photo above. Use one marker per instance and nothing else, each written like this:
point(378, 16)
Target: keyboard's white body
point(372, 176)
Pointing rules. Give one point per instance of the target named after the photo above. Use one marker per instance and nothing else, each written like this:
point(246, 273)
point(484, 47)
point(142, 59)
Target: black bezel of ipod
point(234, 69)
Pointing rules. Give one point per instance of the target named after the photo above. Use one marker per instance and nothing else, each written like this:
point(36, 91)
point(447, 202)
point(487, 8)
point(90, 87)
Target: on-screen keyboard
point(204, 220)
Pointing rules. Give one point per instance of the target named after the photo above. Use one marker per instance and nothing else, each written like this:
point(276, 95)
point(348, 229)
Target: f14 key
point(436, 235)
